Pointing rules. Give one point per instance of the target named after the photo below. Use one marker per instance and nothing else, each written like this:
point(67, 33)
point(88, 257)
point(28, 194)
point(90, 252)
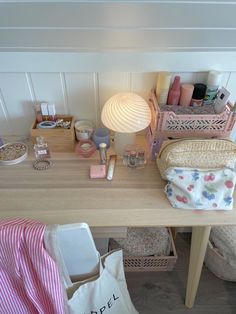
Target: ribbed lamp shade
point(126, 113)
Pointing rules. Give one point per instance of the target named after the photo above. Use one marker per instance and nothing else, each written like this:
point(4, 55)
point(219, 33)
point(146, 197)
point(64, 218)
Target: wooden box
point(58, 139)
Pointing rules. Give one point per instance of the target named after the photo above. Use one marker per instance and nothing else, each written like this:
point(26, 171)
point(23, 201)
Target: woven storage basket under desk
point(150, 263)
point(218, 264)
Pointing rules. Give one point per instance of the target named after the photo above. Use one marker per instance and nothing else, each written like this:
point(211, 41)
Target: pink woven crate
point(150, 263)
point(169, 124)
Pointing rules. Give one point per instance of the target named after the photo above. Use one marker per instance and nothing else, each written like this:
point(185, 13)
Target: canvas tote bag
point(103, 292)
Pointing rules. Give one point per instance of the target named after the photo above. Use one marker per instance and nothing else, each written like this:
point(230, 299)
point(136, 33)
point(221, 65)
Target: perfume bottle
point(41, 148)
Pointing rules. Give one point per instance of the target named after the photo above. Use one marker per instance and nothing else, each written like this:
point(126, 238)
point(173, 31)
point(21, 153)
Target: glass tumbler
point(101, 135)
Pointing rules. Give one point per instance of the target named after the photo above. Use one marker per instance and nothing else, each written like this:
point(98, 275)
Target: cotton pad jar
point(83, 130)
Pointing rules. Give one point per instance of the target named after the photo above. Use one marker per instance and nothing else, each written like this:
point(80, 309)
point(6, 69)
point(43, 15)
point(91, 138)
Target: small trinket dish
point(85, 148)
point(13, 153)
point(47, 125)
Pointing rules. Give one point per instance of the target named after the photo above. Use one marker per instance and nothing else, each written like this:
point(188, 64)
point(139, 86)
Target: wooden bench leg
point(200, 236)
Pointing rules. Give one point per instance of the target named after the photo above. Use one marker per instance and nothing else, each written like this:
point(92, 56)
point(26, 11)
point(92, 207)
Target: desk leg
point(200, 236)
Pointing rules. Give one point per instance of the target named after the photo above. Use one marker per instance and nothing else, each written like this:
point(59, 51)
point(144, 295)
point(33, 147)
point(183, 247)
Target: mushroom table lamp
point(125, 113)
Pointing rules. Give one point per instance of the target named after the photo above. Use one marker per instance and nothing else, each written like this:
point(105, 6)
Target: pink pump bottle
point(174, 93)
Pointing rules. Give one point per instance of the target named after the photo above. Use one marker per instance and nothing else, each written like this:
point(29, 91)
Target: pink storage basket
point(150, 263)
point(182, 124)
point(170, 124)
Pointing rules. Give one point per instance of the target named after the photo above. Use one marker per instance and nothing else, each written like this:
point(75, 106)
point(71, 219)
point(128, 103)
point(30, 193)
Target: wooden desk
point(65, 194)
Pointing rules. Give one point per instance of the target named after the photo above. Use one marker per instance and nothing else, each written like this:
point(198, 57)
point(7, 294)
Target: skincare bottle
point(186, 92)
point(213, 84)
point(162, 88)
point(52, 112)
point(44, 110)
point(38, 114)
point(41, 148)
point(221, 100)
point(103, 153)
point(198, 95)
point(174, 93)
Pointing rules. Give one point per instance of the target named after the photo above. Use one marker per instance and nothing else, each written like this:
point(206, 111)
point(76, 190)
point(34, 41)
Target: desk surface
point(65, 194)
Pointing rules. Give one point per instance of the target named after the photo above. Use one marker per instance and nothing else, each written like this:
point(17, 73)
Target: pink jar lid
point(85, 148)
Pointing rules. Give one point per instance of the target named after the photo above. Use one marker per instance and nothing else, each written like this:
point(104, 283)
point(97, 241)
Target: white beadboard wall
point(79, 94)
point(79, 53)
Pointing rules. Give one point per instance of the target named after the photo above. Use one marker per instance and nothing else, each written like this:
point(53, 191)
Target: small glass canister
point(134, 156)
point(132, 161)
point(103, 153)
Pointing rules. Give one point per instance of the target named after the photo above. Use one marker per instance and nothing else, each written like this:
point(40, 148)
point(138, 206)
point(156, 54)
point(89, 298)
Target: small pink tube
point(186, 94)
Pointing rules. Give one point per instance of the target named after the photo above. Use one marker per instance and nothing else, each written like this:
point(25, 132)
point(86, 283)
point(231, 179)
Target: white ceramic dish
point(17, 153)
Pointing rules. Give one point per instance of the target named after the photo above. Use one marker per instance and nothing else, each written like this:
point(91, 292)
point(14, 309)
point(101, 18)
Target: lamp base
point(121, 140)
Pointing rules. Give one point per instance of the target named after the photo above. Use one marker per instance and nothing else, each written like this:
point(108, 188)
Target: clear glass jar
point(132, 159)
point(41, 148)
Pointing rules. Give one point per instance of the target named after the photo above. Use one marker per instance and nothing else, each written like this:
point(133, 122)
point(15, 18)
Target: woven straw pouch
point(196, 153)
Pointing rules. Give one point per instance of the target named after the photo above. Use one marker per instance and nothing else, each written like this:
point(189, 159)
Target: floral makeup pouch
point(206, 189)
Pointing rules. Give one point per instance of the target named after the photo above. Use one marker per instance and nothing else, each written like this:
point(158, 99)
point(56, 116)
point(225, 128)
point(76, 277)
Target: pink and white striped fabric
point(29, 278)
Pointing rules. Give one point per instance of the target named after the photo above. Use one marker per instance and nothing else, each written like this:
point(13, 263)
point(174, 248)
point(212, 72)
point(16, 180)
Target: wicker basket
point(150, 263)
point(218, 265)
point(58, 139)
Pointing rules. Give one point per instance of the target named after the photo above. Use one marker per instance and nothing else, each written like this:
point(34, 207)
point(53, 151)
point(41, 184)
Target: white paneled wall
point(79, 53)
point(81, 90)
point(16, 103)
point(80, 94)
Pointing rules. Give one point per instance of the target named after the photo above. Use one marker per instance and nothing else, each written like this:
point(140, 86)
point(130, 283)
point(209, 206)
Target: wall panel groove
point(5, 125)
point(31, 87)
point(97, 107)
point(64, 93)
